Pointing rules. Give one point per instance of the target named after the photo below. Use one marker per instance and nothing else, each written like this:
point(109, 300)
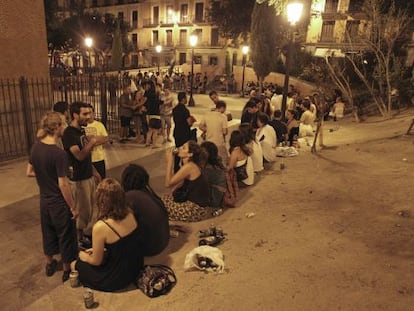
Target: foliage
point(235, 24)
point(263, 40)
point(377, 64)
point(69, 34)
point(116, 52)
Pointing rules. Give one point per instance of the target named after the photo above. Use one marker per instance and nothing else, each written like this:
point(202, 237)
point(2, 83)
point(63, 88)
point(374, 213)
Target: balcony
point(150, 23)
point(186, 20)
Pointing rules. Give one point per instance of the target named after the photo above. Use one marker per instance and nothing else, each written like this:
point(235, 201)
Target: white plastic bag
point(213, 253)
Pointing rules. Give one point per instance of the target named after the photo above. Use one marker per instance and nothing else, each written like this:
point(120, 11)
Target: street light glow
point(294, 12)
point(193, 40)
point(158, 48)
point(245, 49)
point(88, 42)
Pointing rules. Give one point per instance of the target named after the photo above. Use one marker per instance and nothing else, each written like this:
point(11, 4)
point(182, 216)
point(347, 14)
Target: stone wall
point(23, 40)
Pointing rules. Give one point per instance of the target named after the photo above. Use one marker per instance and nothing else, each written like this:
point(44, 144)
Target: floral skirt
point(186, 211)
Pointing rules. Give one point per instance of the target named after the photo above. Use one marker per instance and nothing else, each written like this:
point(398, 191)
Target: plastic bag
point(212, 254)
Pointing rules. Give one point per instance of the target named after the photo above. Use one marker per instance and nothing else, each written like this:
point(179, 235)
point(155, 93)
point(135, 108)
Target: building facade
point(169, 23)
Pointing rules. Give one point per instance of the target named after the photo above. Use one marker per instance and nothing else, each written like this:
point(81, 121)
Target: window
point(168, 35)
point(134, 61)
point(182, 58)
point(331, 6)
point(184, 13)
point(155, 38)
point(327, 33)
point(121, 16)
point(352, 28)
point(134, 19)
point(234, 59)
point(197, 59)
point(170, 14)
point(183, 37)
point(355, 5)
point(213, 61)
point(156, 15)
point(199, 12)
point(135, 41)
point(214, 37)
point(199, 33)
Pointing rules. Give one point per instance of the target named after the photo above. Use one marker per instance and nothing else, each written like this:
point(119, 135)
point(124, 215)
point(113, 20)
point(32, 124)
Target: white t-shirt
point(256, 156)
point(276, 102)
point(266, 136)
point(96, 128)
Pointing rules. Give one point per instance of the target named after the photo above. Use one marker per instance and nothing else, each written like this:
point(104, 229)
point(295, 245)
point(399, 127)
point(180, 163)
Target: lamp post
point(294, 12)
point(89, 43)
point(245, 50)
point(158, 48)
point(193, 43)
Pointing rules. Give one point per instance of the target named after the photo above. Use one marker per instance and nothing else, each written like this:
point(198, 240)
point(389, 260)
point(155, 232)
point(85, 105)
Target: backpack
point(156, 280)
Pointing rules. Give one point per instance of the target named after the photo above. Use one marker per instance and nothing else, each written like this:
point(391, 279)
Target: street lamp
point(89, 43)
point(294, 12)
point(193, 43)
point(245, 50)
point(158, 48)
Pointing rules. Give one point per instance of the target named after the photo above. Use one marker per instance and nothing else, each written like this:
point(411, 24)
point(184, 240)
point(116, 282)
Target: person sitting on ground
point(266, 136)
point(279, 126)
point(292, 127)
point(255, 147)
point(115, 259)
point(191, 198)
point(148, 208)
point(337, 111)
point(306, 120)
point(240, 160)
point(249, 114)
point(215, 173)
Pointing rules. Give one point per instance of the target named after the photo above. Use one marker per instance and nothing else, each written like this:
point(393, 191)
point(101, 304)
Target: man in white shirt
point(276, 100)
point(214, 126)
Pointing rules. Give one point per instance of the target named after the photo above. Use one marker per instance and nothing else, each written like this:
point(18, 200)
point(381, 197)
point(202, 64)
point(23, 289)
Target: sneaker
point(51, 267)
point(65, 276)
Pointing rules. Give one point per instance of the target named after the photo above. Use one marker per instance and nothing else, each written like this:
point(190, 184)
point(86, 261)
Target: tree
point(116, 59)
point(263, 40)
point(235, 24)
point(375, 51)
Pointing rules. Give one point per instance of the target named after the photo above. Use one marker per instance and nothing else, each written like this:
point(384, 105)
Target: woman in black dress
point(115, 259)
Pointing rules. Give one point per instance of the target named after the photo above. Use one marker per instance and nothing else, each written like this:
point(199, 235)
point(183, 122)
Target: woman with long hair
point(240, 160)
point(256, 149)
point(115, 259)
point(138, 102)
point(215, 173)
point(266, 136)
point(190, 199)
point(148, 208)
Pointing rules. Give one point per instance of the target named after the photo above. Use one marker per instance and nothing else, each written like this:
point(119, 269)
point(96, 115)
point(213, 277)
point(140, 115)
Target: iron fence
point(23, 102)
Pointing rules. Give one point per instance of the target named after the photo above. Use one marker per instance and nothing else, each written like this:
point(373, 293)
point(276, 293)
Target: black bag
point(241, 172)
point(180, 194)
point(156, 280)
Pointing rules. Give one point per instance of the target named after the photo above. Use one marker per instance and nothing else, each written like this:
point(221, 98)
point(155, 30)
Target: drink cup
point(74, 279)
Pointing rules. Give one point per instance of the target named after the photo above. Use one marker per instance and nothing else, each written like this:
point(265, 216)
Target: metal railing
point(23, 102)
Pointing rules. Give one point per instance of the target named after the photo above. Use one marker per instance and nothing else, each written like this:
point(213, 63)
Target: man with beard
point(83, 176)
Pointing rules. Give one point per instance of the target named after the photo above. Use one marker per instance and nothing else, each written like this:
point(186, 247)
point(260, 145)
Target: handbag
point(180, 194)
point(241, 172)
point(156, 280)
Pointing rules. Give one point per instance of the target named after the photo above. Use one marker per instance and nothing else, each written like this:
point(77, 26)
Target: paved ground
point(299, 252)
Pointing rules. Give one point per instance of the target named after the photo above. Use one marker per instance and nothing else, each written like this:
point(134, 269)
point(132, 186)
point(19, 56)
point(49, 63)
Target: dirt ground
point(333, 231)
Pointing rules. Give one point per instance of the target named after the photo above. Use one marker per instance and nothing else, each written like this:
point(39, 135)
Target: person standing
point(125, 113)
point(215, 127)
point(96, 129)
point(166, 114)
point(152, 104)
point(83, 175)
point(57, 207)
point(183, 122)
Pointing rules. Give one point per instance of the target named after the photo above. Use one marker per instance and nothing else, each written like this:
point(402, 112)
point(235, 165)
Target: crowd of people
point(103, 228)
